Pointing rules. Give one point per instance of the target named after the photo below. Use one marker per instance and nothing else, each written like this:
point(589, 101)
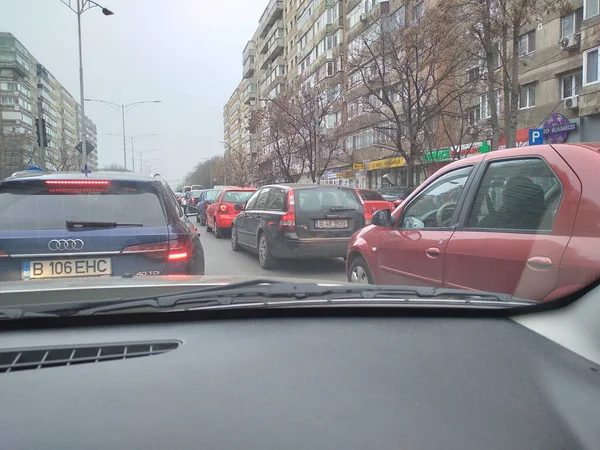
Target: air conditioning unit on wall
point(569, 42)
point(571, 102)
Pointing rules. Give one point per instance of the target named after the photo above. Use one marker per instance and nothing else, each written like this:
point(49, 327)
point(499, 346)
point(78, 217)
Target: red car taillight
point(3, 254)
point(223, 207)
point(173, 250)
point(288, 220)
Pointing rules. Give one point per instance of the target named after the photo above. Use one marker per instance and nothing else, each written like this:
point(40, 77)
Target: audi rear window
point(323, 198)
point(35, 205)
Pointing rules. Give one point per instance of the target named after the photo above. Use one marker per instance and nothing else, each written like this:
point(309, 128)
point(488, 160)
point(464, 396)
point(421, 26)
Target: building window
point(527, 96)
point(330, 68)
point(418, 11)
point(571, 24)
point(527, 43)
point(570, 85)
point(474, 115)
point(484, 106)
point(473, 74)
point(354, 16)
point(591, 8)
point(591, 70)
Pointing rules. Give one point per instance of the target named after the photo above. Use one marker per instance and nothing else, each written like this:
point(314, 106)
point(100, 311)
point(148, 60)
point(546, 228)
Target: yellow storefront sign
point(387, 163)
point(339, 175)
point(348, 174)
point(358, 167)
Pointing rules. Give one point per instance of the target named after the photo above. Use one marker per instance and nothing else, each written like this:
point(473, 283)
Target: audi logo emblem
point(65, 244)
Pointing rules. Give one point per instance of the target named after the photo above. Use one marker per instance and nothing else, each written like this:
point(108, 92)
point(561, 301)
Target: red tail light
point(78, 182)
point(173, 250)
point(288, 220)
point(3, 254)
point(223, 207)
point(77, 186)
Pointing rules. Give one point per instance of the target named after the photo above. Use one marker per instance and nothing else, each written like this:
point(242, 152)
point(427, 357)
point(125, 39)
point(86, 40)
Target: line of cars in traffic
point(521, 221)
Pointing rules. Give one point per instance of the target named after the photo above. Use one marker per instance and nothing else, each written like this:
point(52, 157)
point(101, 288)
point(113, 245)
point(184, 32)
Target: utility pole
point(41, 134)
point(124, 139)
point(81, 96)
point(317, 150)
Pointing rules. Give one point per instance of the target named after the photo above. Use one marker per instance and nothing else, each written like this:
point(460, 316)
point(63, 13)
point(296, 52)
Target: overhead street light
point(133, 139)
point(83, 6)
point(144, 152)
point(123, 108)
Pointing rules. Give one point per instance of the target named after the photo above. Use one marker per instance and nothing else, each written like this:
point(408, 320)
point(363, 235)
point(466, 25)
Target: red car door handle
point(539, 263)
point(433, 252)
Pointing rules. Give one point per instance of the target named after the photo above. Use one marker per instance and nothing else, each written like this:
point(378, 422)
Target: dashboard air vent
point(40, 358)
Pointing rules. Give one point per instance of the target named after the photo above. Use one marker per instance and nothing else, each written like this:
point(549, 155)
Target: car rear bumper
point(310, 248)
point(224, 221)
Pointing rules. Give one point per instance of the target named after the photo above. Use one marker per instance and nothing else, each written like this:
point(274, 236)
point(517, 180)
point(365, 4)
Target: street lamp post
point(225, 161)
point(83, 6)
point(124, 109)
point(133, 139)
point(142, 153)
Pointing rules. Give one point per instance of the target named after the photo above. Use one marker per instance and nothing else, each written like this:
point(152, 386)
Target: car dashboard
point(297, 383)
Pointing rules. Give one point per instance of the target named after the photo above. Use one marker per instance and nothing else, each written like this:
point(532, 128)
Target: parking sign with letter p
point(536, 136)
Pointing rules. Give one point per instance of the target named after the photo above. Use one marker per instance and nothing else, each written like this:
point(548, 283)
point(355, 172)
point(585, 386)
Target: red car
point(373, 201)
point(220, 212)
point(522, 221)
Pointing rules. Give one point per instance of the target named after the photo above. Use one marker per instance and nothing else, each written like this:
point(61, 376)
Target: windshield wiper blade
point(341, 208)
point(16, 313)
point(80, 225)
point(273, 293)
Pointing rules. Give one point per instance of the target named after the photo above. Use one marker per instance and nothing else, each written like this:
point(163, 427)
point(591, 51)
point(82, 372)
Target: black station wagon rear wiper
point(80, 225)
point(341, 208)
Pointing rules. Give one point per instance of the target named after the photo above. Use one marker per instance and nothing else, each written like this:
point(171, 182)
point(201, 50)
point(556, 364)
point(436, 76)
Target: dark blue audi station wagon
point(71, 224)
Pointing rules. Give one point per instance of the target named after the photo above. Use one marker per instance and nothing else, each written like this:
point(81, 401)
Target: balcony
point(249, 94)
point(272, 13)
point(279, 79)
point(17, 65)
point(275, 49)
point(276, 31)
point(248, 71)
point(249, 50)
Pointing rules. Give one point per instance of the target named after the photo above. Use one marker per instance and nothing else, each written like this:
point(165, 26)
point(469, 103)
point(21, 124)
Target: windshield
point(413, 144)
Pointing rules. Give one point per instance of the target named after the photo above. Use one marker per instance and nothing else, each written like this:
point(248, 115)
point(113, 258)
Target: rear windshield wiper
point(80, 225)
point(264, 293)
point(341, 208)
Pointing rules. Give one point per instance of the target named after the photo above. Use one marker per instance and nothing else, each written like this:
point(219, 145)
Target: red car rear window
point(236, 196)
point(368, 194)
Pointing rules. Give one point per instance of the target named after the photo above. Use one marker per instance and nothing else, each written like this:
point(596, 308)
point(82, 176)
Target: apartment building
point(559, 79)
point(29, 91)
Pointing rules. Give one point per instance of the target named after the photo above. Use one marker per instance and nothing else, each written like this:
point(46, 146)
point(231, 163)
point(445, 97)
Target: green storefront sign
point(448, 154)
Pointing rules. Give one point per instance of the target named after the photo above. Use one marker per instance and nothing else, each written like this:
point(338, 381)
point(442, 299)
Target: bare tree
point(239, 167)
point(304, 127)
point(496, 26)
point(114, 168)
point(409, 74)
point(62, 159)
point(206, 173)
point(17, 152)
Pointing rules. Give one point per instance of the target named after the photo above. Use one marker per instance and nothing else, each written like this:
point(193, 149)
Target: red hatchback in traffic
point(220, 212)
point(373, 201)
point(520, 221)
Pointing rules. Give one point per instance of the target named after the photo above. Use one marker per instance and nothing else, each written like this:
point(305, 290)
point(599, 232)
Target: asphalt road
point(221, 260)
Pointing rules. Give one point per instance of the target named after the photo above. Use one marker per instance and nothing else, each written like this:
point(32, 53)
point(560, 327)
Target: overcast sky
point(186, 53)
